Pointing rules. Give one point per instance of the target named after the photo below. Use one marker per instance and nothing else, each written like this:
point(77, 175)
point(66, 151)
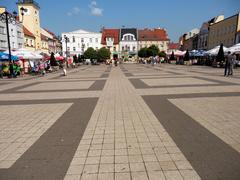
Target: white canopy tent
point(214, 51)
point(234, 49)
point(25, 54)
point(177, 53)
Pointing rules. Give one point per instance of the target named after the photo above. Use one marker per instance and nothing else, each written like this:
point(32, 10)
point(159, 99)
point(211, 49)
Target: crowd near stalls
point(214, 57)
point(24, 62)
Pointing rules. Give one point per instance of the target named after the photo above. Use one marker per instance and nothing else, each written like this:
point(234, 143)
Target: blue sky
point(177, 16)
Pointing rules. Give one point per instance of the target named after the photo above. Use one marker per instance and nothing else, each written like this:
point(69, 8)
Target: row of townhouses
point(27, 32)
point(124, 43)
point(212, 33)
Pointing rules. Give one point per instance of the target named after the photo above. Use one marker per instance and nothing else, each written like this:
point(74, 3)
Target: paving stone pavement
point(118, 123)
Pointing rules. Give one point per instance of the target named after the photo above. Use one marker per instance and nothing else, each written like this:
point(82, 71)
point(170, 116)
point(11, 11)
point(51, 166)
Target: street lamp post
point(7, 18)
point(66, 40)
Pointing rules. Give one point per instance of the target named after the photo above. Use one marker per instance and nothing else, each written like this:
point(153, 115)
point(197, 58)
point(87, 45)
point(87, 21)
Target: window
point(82, 40)
point(96, 40)
point(3, 44)
point(31, 42)
point(122, 48)
point(20, 45)
point(134, 48)
point(74, 48)
point(12, 32)
point(2, 30)
point(90, 40)
point(73, 39)
point(19, 34)
point(13, 44)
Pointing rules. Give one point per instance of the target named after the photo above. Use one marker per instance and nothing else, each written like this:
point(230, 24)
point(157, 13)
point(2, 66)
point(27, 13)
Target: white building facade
point(15, 34)
point(128, 43)
point(79, 41)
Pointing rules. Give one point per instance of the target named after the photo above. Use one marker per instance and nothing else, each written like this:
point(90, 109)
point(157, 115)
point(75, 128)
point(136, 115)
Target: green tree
point(90, 53)
point(153, 50)
point(143, 52)
point(103, 54)
point(162, 54)
point(53, 61)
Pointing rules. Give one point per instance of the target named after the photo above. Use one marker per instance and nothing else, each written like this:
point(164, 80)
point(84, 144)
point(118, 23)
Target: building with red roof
point(158, 37)
point(173, 47)
point(29, 39)
point(110, 39)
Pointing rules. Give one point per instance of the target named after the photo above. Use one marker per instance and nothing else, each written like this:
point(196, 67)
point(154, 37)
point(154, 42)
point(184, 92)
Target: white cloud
point(74, 11)
point(69, 14)
point(95, 11)
point(93, 3)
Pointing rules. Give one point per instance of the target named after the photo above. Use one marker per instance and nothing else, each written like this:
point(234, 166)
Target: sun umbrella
point(5, 56)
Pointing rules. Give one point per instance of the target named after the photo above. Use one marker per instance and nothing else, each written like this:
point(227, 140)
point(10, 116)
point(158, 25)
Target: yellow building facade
point(31, 20)
point(224, 31)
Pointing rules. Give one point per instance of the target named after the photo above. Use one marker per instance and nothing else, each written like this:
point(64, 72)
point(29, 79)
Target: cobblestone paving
point(150, 122)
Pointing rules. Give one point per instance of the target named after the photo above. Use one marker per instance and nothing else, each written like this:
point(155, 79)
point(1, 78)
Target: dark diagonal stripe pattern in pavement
point(212, 158)
point(50, 156)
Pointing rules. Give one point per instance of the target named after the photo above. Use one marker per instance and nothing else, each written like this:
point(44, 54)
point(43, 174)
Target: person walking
point(64, 67)
point(232, 63)
point(1, 72)
point(228, 64)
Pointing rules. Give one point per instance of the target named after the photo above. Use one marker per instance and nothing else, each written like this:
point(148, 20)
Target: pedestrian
point(228, 61)
point(232, 63)
point(1, 68)
point(64, 67)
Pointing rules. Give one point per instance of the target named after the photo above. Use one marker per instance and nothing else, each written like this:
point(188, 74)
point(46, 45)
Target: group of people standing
point(229, 64)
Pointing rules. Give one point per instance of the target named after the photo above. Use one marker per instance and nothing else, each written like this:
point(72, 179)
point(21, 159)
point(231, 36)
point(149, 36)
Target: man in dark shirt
point(228, 64)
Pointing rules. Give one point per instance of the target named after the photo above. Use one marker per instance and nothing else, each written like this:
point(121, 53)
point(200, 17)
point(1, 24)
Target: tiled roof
point(173, 46)
point(43, 37)
point(27, 32)
point(110, 33)
point(152, 35)
point(50, 32)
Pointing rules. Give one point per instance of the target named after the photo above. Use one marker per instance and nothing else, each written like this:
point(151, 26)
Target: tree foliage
point(90, 53)
point(103, 53)
point(145, 52)
point(153, 50)
point(162, 54)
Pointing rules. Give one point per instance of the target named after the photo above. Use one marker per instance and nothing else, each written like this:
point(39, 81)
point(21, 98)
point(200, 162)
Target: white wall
point(90, 39)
